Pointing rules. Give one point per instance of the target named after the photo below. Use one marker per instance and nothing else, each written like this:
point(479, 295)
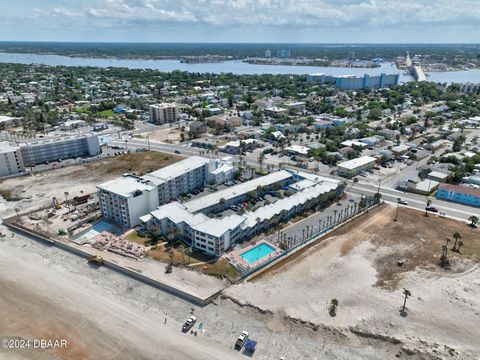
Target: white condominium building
point(125, 199)
point(65, 147)
point(217, 235)
point(164, 113)
point(11, 162)
point(180, 178)
point(355, 166)
point(14, 158)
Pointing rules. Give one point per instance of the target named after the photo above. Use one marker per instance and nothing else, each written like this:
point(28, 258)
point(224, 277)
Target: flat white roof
point(6, 147)
point(298, 149)
point(437, 174)
point(353, 142)
point(163, 105)
point(355, 163)
point(169, 172)
point(400, 148)
point(178, 213)
point(58, 139)
point(276, 109)
point(222, 168)
point(236, 143)
point(303, 184)
point(125, 186)
point(426, 185)
point(4, 118)
point(269, 211)
point(237, 190)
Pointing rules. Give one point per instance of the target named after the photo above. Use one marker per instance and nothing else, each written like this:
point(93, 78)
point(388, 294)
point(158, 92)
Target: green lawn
point(105, 113)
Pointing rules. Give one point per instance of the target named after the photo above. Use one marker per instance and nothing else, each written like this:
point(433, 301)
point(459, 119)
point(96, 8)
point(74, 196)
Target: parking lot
point(299, 231)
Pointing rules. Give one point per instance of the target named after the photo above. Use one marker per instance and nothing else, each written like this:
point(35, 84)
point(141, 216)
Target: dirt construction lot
point(37, 190)
point(358, 266)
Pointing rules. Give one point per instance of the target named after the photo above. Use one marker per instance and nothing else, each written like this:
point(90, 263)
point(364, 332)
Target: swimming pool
point(93, 231)
point(257, 253)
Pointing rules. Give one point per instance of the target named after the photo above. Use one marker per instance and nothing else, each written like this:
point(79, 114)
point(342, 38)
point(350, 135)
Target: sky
point(244, 21)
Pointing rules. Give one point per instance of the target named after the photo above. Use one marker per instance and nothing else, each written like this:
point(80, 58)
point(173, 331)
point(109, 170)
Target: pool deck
point(235, 256)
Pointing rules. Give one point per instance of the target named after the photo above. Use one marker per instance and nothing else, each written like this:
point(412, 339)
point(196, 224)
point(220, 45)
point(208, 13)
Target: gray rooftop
point(234, 191)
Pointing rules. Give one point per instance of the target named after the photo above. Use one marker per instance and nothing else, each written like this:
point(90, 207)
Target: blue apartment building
point(459, 194)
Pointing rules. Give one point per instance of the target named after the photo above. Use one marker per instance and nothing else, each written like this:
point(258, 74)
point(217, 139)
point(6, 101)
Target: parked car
point(403, 202)
point(189, 323)
point(241, 340)
point(431, 209)
point(251, 345)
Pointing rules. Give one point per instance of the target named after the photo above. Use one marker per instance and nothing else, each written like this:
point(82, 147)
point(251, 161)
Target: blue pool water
point(93, 231)
point(258, 252)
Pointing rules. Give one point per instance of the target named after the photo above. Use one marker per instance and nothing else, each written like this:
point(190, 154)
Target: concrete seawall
point(111, 265)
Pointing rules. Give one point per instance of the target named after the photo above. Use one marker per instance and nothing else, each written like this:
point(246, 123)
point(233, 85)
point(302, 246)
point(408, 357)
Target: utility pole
point(398, 205)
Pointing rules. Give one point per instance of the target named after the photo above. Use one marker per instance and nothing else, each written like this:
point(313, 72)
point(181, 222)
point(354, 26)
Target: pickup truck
point(189, 323)
point(241, 340)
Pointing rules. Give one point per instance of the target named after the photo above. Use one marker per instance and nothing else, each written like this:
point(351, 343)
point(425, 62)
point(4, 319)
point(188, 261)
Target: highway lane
point(417, 201)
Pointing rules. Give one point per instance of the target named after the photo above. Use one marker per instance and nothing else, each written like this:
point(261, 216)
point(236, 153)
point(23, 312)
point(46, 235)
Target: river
point(235, 67)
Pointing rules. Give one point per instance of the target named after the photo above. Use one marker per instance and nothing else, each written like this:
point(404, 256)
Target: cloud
point(296, 13)
point(251, 20)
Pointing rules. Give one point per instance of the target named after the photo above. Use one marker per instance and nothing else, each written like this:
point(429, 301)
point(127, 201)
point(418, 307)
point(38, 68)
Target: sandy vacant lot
point(358, 266)
point(38, 190)
point(49, 293)
point(43, 299)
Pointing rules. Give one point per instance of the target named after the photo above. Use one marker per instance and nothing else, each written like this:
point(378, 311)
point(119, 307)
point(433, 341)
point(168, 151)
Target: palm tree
point(261, 157)
point(170, 235)
point(154, 231)
point(444, 258)
point(398, 205)
point(354, 181)
point(333, 307)
point(460, 244)
point(407, 293)
point(456, 235)
point(474, 220)
point(66, 200)
point(429, 202)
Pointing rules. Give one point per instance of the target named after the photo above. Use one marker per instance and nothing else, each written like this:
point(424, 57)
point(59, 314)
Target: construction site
point(372, 284)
